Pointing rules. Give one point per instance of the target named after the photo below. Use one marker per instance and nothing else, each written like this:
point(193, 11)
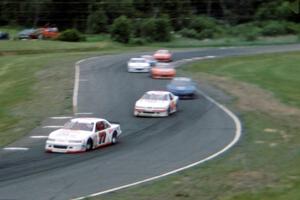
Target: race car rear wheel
point(114, 138)
point(89, 145)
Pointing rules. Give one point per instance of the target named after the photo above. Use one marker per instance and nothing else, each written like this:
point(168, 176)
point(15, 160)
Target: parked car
point(30, 33)
point(48, 33)
point(4, 36)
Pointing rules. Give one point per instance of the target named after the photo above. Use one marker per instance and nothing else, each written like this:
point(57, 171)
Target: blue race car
point(182, 87)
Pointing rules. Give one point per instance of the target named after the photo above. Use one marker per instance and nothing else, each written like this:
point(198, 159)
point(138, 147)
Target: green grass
point(47, 46)
point(250, 171)
point(278, 73)
point(12, 30)
point(263, 165)
point(182, 42)
point(32, 88)
point(97, 37)
point(101, 42)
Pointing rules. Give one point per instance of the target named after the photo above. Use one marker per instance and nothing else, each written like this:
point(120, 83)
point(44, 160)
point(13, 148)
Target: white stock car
point(156, 104)
point(138, 65)
point(83, 134)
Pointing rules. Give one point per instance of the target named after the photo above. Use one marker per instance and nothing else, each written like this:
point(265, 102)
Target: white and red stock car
point(156, 104)
point(83, 134)
point(138, 65)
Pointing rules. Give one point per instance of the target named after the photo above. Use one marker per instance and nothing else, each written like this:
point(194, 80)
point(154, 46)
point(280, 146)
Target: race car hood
point(157, 69)
point(171, 87)
point(65, 134)
point(151, 103)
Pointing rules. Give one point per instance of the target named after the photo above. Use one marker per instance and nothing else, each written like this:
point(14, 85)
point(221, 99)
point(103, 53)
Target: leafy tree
point(70, 35)
point(148, 29)
point(79, 15)
point(97, 22)
point(121, 29)
point(201, 23)
point(155, 29)
point(274, 11)
point(163, 29)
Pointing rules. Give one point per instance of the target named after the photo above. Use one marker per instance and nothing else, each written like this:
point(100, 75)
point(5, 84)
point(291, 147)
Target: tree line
point(98, 15)
point(142, 21)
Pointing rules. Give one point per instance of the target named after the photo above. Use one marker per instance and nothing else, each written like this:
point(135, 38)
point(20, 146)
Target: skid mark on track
point(39, 137)
point(54, 126)
point(84, 113)
point(61, 117)
point(16, 149)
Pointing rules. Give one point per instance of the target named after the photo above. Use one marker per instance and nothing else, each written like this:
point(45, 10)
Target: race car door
point(172, 103)
point(101, 133)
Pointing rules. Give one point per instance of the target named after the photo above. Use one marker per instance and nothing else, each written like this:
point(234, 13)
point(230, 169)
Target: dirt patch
point(249, 179)
point(250, 97)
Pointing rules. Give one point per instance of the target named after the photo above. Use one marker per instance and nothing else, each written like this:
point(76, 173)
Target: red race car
point(163, 55)
point(163, 71)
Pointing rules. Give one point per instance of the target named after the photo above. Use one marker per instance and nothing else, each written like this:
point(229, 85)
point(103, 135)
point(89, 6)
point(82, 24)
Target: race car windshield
point(163, 51)
point(148, 57)
point(181, 83)
point(137, 61)
point(166, 66)
point(157, 97)
point(79, 126)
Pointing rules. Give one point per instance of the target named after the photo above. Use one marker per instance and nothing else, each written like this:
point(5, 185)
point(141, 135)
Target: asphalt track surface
point(147, 148)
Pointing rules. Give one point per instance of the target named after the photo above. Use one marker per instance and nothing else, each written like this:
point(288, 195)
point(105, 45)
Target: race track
point(148, 147)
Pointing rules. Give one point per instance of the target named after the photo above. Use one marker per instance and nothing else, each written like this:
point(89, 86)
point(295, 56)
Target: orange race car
point(48, 33)
point(163, 70)
point(163, 55)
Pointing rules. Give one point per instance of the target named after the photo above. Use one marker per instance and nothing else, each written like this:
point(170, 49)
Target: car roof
point(158, 92)
point(87, 120)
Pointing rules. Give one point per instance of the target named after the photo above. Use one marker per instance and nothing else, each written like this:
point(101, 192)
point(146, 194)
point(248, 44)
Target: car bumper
point(64, 147)
point(162, 76)
point(163, 59)
point(181, 93)
point(138, 69)
point(152, 113)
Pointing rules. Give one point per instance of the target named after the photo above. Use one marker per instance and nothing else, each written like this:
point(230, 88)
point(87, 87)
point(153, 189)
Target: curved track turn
point(148, 147)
